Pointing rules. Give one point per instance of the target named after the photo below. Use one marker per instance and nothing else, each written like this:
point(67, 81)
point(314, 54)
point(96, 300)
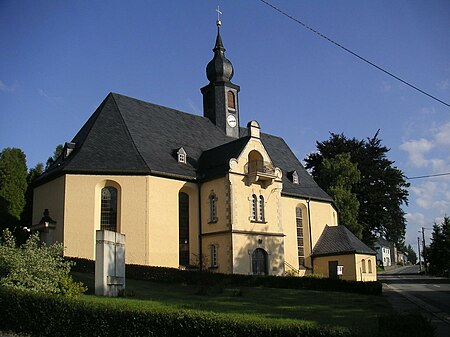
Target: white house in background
point(383, 249)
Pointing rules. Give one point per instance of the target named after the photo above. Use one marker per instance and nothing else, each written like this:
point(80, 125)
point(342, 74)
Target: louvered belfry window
point(231, 100)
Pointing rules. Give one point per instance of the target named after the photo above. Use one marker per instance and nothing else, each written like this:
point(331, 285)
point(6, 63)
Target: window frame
point(300, 238)
point(108, 211)
point(231, 101)
point(261, 211)
point(213, 253)
point(213, 218)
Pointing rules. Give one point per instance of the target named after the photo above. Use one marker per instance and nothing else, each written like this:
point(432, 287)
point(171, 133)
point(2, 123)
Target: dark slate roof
point(215, 162)
point(338, 240)
point(384, 243)
point(129, 136)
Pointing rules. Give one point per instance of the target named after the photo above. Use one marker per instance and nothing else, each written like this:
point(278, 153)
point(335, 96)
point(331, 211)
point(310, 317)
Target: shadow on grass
point(354, 311)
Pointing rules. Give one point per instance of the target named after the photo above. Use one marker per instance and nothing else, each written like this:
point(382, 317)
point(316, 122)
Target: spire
point(219, 69)
point(220, 96)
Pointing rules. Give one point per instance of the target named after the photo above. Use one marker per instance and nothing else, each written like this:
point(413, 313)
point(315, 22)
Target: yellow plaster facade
point(353, 269)
point(247, 224)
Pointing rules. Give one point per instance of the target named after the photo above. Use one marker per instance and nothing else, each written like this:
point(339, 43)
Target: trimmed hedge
point(50, 315)
point(195, 277)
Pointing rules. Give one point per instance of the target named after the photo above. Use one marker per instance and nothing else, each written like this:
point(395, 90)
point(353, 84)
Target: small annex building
point(189, 190)
point(337, 246)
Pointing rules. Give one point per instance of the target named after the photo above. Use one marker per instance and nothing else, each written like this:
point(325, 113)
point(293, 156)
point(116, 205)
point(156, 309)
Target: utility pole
point(420, 258)
point(424, 250)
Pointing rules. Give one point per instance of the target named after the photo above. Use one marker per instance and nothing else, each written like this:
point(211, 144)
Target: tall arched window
point(300, 243)
point(363, 263)
point(108, 216)
point(254, 207)
point(231, 100)
point(261, 214)
point(183, 221)
point(369, 266)
point(212, 207)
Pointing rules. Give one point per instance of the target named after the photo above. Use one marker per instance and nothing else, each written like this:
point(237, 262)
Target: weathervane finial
point(218, 22)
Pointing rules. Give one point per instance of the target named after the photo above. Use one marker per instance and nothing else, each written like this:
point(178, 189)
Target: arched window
point(363, 263)
point(261, 215)
point(212, 207)
point(254, 208)
point(300, 243)
point(108, 217)
point(213, 255)
point(255, 162)
point(183, 221)
point(231, 100)
point(259, 262)
point(369, 266)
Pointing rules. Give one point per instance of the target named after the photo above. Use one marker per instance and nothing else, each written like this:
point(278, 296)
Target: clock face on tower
point(231, 120)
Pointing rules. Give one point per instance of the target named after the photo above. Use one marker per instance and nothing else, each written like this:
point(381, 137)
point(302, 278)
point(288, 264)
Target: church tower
point(220, 96)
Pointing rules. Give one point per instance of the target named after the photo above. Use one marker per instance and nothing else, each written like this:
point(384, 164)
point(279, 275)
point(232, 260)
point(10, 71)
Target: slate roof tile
point(130, 136)
point(337, 240)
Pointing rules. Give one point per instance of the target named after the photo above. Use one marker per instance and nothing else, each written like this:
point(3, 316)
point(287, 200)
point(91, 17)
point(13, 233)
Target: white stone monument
point(109, 263)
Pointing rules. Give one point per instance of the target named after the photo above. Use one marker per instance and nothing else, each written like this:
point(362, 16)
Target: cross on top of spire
point(218, 22)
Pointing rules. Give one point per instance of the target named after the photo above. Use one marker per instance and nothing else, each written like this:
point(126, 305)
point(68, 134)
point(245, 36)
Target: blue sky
point(59, 59)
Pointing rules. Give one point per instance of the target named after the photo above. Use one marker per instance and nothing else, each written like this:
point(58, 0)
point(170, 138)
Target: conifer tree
point(13, 184)
point(381, 191)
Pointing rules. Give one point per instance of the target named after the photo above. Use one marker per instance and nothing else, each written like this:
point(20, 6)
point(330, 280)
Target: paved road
point(420, 293)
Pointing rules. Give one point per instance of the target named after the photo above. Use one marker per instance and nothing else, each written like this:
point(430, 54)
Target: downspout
point(200, 251)
point(310, 233)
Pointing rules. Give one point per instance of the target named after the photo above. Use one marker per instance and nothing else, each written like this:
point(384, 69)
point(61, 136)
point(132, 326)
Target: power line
point(351, 52)
point(429, 176)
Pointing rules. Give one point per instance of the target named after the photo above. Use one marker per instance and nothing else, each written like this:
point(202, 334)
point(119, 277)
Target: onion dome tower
point(220, 96)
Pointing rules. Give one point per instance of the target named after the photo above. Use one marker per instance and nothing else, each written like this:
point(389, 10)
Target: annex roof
point(338, 240)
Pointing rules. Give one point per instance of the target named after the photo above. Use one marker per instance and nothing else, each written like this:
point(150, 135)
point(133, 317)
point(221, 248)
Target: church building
point(189, 190)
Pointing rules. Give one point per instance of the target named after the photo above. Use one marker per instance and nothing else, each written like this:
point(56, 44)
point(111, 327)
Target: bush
point(36, 267)
point(60, 316)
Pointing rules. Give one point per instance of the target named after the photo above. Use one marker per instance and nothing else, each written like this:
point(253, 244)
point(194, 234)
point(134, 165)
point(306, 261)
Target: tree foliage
point(26, 216)
point(340, 175)
point(13, 184)
point(438, 253)
point(56, 154)
point(412, 256)
point(381, 190)
point(36, 267)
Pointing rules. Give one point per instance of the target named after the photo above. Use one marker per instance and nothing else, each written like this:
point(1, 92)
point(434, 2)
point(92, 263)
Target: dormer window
point(181, 155)
point(295, 179)
point(67, 150)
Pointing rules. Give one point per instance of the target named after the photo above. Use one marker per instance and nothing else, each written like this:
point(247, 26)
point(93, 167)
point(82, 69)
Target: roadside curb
point(421, 304)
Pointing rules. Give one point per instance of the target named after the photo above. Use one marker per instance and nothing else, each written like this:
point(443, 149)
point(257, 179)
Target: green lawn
point(315, 307)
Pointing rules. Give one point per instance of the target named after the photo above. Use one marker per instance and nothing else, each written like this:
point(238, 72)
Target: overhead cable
point(429, 176)
point(353, 53)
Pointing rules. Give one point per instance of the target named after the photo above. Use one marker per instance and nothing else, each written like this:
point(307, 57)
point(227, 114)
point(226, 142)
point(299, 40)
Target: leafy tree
point(340, 174)
point(438, 253)
point(412, 256)
point(381, 190)
point(36, 267)
point(59, 149)
point(13, 184)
